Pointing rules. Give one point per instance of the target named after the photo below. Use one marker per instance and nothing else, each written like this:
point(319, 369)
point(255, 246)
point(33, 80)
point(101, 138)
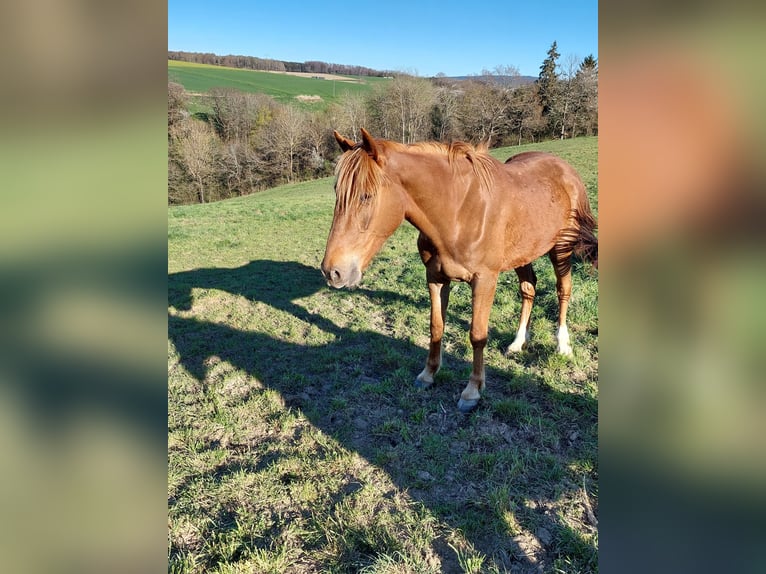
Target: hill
point(199, 79)
point(297, 441)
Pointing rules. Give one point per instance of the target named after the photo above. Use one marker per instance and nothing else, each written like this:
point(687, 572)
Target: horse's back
point(529, 156)
point(541, 162)
point(540, 165)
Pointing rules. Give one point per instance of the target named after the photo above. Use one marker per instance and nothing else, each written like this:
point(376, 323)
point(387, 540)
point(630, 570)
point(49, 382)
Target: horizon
point(461, 76)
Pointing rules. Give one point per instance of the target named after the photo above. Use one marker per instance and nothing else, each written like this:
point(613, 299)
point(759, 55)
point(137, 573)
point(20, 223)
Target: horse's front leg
point(439, 300)
point(483, 294)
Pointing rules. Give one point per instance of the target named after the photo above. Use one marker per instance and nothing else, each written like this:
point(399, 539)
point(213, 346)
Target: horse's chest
point(445, 267)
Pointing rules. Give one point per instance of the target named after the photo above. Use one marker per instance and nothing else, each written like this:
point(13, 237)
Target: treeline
point(269, 65)
point(249, 142)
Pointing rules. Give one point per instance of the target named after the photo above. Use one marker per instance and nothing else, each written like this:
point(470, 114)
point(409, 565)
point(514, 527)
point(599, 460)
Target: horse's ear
point(369, 145)
point(344, 143)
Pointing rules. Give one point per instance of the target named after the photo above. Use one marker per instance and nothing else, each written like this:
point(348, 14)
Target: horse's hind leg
point(439, 300)
point(527, 283)
point(562, 264)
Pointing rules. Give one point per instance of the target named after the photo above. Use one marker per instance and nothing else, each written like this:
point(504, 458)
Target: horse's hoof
point(420, 384)
point(466, 406)
point(565, 351)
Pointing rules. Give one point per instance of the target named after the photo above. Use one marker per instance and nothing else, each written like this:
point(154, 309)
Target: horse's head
point(368, 209)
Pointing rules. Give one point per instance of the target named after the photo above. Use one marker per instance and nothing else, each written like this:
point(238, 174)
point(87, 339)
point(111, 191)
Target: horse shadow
point(304, 380)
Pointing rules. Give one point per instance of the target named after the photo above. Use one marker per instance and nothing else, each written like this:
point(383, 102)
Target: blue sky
point(424, 37)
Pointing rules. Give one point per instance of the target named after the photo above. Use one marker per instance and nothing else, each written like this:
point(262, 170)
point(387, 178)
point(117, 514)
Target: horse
point(476, 217)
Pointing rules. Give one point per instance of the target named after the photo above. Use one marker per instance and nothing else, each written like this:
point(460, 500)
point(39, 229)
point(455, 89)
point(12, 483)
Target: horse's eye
point(365, 198)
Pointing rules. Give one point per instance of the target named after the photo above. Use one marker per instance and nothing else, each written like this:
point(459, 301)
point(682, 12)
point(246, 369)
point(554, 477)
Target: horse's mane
point(482, 163)
point(358, 174)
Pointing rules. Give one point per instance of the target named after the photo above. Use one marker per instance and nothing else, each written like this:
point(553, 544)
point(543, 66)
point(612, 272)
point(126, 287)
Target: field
point(297, 441)
point(200, 78)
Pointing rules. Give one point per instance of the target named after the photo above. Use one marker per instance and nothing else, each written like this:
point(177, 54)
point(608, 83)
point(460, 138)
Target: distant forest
point(268, 65)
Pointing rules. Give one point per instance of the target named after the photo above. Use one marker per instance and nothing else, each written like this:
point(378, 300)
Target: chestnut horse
point(476, 217)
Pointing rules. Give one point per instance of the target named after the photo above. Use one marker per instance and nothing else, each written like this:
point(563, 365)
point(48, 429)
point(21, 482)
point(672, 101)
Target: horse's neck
point(434, 197)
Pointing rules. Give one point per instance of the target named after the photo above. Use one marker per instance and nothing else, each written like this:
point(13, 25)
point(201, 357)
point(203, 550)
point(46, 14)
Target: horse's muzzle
point(339, 277)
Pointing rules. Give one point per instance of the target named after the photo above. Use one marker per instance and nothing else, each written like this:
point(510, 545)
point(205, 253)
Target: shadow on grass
point(352, 386)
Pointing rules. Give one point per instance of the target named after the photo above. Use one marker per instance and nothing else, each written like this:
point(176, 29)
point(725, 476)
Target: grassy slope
point(297, 442)
point(283, 87)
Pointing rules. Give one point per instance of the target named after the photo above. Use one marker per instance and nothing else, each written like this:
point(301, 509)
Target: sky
point(421, 37)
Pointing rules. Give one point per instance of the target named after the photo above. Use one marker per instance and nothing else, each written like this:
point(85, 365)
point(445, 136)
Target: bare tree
point(526, 113)
point(196, 142)
point(239, 168)
point(401, 108)
point(177, 100)
point(562, 108)
point(378, 116)
point(501, 75)
point(320, 144)
point(237, 114)
point(286, 139)
point(444, 116)
point(483, 111)
point(350, 114)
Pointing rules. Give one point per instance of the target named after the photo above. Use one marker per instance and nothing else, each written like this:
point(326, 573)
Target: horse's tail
point(578, 238)
point(585, 243)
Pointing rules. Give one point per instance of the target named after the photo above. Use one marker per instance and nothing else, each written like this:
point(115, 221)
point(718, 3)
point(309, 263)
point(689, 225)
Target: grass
point(201, 78)
point(297, 441)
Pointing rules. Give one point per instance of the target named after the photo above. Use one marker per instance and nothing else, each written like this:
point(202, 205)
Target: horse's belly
point(531, 236)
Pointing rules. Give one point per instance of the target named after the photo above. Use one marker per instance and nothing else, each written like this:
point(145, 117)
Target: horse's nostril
point(335, 275)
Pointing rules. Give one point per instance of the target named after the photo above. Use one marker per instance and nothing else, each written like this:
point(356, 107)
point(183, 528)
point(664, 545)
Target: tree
point(562, 113)
point(586, 89)
point(502, 75)
point(239, 168)
point(177, 100)
point(286, 140)
point(237, 117)
point(444, 114)
point(483, 111)
point(196, 147)
point(237, 114)
point(548, 82)
point(589, 63)
point(320, 143)
point(526, 113)
point(401, 108)
point(350, 114)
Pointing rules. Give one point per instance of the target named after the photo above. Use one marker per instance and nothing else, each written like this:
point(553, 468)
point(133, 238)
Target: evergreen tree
point(586, 88)
point(589, 64)
point(547, 81)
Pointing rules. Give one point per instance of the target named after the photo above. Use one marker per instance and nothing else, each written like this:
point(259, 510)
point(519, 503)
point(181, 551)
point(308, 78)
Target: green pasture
point(297, 441)
point(200, 78)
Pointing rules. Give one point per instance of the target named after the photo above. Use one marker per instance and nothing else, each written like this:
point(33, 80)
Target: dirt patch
point(308, 99)
point(321, 76)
